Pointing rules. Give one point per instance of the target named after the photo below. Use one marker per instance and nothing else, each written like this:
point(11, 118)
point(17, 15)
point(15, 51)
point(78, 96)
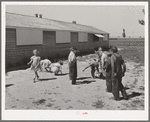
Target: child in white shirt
point(45, 64)
point(56, 67)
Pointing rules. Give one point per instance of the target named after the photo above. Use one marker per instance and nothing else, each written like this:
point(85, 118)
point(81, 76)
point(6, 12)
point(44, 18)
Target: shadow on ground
point(82, 78)
point(87, 81)
point(134, 94)
point(126, 88)
point(102, 77)
point(8, 85)
point(46, 79)
point(61, 74)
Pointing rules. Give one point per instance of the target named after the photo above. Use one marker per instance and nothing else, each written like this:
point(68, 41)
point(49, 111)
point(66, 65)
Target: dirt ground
point(57, 92)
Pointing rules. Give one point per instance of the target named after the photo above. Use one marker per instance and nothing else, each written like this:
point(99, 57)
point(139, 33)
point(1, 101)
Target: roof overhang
point(99, 35)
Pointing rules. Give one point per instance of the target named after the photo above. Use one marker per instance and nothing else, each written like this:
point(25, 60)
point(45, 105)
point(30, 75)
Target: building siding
point(17, 55)
point(20, 55)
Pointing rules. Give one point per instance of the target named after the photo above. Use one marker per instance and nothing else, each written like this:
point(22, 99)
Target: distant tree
point(142, 22)
point(124, 34)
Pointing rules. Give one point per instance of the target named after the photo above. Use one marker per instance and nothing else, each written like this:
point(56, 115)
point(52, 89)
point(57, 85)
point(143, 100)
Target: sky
point(111, 19)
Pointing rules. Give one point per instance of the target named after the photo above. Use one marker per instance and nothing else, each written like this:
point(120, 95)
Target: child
point(56, 67)
point(94, 66)
point(35, 63)
point(45, 64)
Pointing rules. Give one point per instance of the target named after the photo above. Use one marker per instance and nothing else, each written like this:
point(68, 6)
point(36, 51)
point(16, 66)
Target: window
point(28, 36)
point(82, 37)
point(62, 37)
point(74, 37)
point(95, 38)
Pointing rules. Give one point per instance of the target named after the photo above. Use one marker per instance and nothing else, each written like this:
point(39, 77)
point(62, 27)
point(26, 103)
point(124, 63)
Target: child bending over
point(56, 67)
point(94, 66)
point(45, 64)
point(35, 64)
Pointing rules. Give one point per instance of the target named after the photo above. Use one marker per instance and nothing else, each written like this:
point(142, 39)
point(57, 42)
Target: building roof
point(18, 20)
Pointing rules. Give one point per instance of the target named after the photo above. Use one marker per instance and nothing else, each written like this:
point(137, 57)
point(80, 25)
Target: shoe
point(33, 80)
point(116, 99)
point(126, 98)
point(109, 91)
point(124, 94)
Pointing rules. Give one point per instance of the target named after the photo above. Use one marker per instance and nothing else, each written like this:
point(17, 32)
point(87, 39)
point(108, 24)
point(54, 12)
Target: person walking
point(35, 64)
point(116, 75)
point(72, 65)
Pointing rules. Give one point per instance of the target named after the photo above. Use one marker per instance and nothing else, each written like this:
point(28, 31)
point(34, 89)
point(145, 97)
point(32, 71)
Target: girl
point(35, 63)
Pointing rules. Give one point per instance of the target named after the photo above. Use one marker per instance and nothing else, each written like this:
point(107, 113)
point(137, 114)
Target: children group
point(109, 65)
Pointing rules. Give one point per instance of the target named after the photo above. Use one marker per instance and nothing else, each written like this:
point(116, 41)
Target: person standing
point(116, 75)
point(72, 65)
point(103, 61)
point(99, 54)
point(107, 68)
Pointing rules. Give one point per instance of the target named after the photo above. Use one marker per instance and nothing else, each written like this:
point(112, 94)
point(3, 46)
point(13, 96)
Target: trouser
point(93, 73)
point(118, 86)
point(108, 81)
point(73, 80)
point(73, 72)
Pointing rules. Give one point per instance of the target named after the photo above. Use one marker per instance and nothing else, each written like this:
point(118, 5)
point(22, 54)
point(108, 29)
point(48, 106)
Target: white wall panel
point(27, 36)
point(83, 37)
point(62, 37)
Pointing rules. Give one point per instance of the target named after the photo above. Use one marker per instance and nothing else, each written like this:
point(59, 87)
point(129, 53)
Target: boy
point(117, 64)
point(72, 65)
point(94, 66)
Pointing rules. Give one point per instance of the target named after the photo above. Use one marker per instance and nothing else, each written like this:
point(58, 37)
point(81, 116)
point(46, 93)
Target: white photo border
point(74, 114)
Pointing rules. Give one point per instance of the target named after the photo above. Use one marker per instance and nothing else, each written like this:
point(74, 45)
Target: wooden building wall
point(20, 54)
